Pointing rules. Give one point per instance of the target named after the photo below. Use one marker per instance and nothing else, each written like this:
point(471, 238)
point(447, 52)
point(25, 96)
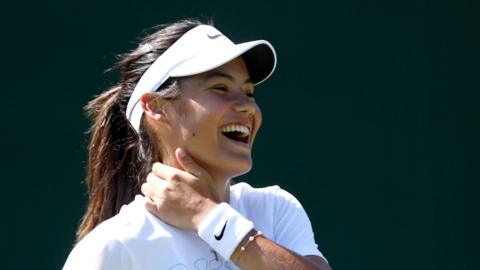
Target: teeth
point(238, 128)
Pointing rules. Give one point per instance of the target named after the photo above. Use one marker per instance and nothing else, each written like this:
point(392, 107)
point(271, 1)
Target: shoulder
point(278, 214)
point(245, 192)
point(269, 204)
point(129, 222)
point(98, 248)
point(108, 244)
point(243, 188)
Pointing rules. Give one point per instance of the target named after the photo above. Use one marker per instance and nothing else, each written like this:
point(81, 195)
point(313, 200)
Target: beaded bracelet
point(239, 251)
point(250, 239)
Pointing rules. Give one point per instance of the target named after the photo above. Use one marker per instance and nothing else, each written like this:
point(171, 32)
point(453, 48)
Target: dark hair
point(119, 159)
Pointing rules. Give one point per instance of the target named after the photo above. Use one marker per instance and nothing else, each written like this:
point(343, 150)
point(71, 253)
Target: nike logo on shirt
point(218, 237)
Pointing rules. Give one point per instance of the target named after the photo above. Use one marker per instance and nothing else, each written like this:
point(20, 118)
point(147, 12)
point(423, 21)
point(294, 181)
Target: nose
point(245, 105)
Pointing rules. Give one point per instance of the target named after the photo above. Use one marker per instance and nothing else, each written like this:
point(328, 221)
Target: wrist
point(248, 239)
point(224, 229)
point(203, 209)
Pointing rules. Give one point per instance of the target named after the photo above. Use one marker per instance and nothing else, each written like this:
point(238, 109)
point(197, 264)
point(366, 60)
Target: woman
point(178, 128)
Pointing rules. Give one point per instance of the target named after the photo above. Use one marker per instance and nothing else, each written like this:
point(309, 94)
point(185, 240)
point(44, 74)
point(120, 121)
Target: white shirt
point(135, 239)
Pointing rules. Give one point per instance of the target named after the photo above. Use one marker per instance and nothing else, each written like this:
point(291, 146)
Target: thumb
point(188, 164)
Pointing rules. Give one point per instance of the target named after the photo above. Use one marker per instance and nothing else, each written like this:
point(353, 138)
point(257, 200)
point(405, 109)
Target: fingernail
point(181, 153)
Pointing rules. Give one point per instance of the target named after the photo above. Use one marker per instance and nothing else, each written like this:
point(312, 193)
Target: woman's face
point(217, 119)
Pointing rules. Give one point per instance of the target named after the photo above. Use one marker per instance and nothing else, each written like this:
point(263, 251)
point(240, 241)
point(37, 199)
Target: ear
point(154, 107)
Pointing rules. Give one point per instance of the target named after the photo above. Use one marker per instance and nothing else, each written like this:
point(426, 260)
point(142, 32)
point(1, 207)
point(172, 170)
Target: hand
point(181, 198)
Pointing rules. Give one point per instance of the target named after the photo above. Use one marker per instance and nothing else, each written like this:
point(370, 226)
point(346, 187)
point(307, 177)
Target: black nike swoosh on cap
point(214, 36)
point(219, 237)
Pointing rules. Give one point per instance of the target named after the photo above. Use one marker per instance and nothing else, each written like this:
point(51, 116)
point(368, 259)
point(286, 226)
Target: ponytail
point(113, 161)
point(119, 159)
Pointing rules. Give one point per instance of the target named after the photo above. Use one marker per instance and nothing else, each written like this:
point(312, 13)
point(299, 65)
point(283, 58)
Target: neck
point(222, 190)
point(220, 182)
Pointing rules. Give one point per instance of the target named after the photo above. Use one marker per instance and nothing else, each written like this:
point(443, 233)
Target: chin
point(242, 170)
point(227, 165)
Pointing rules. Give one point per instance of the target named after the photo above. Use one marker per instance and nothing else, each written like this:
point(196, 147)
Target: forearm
point(262, 253)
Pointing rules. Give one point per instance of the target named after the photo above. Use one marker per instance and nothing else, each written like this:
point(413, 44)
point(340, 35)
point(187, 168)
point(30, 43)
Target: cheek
point(200, 123)
point(184, 121)
point(200, 116)
point(258, 118)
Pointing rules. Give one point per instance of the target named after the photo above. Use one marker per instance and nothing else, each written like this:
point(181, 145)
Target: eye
point(220, 87)
point(249, 92)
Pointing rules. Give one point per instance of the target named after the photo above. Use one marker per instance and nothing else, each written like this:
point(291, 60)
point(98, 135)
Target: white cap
point(201, 49)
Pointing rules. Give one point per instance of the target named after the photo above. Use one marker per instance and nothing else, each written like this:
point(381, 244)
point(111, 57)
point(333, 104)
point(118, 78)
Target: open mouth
point(239, 133)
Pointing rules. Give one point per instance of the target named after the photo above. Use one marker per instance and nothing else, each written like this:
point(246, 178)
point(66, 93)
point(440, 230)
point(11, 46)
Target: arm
point(263, 253)
point(182, 199)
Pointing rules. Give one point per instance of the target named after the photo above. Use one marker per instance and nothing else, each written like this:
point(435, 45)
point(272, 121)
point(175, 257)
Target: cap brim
point(261, 61)
point(258, 55)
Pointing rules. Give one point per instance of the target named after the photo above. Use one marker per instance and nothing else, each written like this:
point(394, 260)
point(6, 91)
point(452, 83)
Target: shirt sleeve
point(292, 227)
point(98, 254)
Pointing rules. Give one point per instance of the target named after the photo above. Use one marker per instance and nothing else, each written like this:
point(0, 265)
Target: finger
point(155, 183)
point(148, 200)
point(151, 206)
point(153, 188)
point(163, 171)
point(188, 164)
point(166, 172)
point(153, 196)
point(148, 190)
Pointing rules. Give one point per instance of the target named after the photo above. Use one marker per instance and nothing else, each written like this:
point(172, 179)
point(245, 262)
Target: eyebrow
point(224, 75)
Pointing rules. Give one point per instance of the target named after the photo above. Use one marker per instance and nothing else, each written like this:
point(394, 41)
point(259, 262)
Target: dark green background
point(371, 120)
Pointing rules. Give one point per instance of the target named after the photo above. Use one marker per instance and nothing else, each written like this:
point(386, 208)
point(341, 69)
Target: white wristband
point(223, 229)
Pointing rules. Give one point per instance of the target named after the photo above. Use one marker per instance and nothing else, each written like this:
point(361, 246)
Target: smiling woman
point(166, 141)
point(218, 108)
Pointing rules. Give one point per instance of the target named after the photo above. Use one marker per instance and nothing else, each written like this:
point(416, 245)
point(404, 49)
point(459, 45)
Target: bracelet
point(238, 252)
point(250, 239)
point(224, 229)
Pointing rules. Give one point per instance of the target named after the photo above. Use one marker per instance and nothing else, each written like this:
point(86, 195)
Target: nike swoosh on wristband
point(219, 237)
point(214, 36)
